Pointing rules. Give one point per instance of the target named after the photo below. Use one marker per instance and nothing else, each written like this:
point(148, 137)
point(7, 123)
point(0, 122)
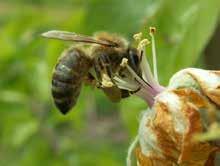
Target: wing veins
point(70, 36)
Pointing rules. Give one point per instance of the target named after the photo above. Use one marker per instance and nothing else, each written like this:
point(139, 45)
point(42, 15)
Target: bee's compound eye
point(133, 54)
point(133, 58)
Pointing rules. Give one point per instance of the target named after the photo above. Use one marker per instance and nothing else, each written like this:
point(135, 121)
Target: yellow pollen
point(143, 43)
point(124, 62)
point(106, 81)
point(138, 36)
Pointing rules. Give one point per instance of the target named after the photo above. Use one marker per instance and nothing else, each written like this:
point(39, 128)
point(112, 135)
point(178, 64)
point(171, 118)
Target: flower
point(176, 115)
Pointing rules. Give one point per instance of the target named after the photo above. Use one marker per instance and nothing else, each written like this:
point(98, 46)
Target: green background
point(96, 131)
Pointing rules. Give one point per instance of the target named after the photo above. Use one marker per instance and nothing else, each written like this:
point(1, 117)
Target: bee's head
point(136, 75)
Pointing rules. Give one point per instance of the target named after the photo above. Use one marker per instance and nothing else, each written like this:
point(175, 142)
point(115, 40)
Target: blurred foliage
point(97, 132)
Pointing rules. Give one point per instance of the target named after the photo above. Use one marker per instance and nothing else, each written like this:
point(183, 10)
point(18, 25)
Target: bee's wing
point(70, 36)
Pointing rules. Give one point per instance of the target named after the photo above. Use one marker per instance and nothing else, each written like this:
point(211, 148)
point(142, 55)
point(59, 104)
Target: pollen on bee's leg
point(106, 81)
point(124, 62)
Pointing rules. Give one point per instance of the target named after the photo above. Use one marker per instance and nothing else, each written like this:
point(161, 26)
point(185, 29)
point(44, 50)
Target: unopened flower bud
point(188, 106)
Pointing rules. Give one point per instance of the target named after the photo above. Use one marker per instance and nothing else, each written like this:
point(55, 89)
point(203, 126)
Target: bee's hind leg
point(91, 80)
point(107, 65)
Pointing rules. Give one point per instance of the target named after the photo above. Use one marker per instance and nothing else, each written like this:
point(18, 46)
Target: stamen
point(135, 83)
point(141, 82)
point(124, 63)
point(143, 43)
point(134, 74)
point(145, 86)
point(146, 71)
point(125, 84)
point(152, 31)
point(145, 67)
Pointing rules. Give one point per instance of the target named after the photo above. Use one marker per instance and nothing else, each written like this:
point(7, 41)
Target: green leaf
point(24, 131)
point(184, 28)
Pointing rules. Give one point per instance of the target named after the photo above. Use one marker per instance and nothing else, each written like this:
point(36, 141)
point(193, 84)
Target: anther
point(152, 30)
point(143, 43)
point(138, 36)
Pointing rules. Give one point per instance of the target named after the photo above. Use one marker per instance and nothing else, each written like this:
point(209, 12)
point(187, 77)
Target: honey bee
point(95, 65)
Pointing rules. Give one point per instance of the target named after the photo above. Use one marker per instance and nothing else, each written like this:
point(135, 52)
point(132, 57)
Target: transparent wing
point(70, 36)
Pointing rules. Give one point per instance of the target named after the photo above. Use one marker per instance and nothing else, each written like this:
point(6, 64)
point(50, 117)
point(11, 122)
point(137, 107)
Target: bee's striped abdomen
point(67, 78)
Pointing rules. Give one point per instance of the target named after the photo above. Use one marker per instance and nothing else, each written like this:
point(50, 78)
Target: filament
point(153, 46)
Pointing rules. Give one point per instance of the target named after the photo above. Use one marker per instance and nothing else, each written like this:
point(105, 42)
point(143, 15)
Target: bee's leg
point(92, 81)
point(107, 66)
point(101, 73)
point(98, 71)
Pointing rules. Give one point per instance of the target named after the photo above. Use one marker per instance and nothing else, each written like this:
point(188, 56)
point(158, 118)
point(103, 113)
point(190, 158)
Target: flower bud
point(188, 106)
